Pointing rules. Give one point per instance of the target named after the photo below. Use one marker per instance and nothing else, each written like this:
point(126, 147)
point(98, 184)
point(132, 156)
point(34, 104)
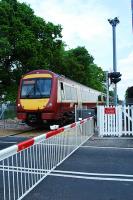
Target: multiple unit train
point(46, 97)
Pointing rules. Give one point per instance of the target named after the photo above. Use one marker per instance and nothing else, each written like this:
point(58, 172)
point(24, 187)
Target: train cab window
point(43, 87)
point(28, 87)
point(36, 88)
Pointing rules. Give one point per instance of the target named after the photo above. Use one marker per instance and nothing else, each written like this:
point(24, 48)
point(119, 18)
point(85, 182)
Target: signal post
point(113, 23)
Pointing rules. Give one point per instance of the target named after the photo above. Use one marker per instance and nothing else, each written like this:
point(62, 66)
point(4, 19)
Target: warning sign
point(109, 111)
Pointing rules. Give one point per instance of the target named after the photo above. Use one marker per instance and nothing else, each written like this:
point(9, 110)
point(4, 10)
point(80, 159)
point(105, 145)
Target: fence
point(24, 165)
point(13, 124)
point(7, 111)
point(8, 117)
point(115, 121)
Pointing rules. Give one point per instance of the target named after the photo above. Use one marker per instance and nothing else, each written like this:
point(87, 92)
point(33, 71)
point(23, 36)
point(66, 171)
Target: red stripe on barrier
point(25, 144)
point(73, 125)
point(55, 132)
point(28, 143)
point(81, 122)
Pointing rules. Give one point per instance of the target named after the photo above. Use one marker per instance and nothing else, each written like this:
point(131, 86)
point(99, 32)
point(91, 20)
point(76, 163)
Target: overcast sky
point(85, 23)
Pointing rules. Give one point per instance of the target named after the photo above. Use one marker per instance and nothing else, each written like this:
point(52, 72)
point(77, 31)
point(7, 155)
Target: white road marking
point(3, 142)
point(93, 176)
point(96, 147)
point(112, 138)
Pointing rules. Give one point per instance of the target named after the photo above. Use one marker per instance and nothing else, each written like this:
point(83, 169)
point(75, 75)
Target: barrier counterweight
point(24, 165)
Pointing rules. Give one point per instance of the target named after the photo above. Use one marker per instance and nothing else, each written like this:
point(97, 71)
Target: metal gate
point(115, 121)
point(26, 164)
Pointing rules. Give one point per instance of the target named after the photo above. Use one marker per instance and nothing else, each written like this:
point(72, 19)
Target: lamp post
point(113, 23)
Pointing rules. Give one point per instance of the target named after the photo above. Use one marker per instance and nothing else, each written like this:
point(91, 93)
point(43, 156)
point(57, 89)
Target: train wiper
point(38, 89)
point(30, 92)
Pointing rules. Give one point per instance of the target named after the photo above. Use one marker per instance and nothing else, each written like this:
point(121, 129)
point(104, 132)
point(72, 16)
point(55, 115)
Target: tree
point(129, 92)
point(78, 65)
point(96, 77)
point(129, 95)
point(27, 42)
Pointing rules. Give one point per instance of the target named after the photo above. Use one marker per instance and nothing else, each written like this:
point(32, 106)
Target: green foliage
point(129, 93)
point(78, 65)
point(27, 43)
point(9, 114)
point(11, 92)
point(111, 93)
point(96, 75)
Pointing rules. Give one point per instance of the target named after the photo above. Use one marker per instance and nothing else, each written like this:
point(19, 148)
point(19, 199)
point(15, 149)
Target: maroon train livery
point(46, 97)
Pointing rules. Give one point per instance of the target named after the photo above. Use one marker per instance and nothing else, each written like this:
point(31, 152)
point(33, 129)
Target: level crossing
point(68, 163)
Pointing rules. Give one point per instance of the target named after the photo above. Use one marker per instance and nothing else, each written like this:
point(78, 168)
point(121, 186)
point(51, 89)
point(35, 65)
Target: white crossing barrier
point(115, 121)
point(25, 165)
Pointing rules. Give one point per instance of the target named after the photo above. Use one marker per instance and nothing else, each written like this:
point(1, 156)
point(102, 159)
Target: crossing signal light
point(115, 77)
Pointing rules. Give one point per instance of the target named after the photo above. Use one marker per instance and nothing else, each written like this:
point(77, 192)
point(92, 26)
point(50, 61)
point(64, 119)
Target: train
point(45, 97)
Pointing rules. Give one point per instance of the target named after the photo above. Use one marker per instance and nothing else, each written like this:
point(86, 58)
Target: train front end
point(35, 103)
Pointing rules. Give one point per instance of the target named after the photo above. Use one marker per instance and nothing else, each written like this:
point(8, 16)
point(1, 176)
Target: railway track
point(22, 133)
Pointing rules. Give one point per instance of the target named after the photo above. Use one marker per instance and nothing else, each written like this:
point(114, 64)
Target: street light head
point(110, 21)
point(116, 20)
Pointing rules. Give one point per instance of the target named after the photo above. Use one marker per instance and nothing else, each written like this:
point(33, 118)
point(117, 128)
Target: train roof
point(41, 71)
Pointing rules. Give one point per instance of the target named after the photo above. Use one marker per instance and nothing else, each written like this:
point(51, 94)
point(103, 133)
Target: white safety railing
point(24, 165)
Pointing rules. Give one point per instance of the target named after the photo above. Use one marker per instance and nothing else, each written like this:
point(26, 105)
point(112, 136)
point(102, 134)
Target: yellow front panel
point(38, 76)
point(33, 104)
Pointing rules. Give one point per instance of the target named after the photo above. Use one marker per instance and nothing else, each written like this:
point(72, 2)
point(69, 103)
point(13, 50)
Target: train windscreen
point(36, 88)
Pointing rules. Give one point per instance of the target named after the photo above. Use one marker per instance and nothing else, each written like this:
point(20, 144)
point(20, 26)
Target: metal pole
point(75, 112)
point(114, 62)
point(114, 22)
point(114, 48)
point(107, 89)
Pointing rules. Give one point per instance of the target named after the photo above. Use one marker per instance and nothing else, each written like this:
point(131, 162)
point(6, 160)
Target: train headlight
point(49, 104)
point(19, 105)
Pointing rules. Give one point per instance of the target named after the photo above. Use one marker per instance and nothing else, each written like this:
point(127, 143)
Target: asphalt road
point(102, 169)
point(8, 141)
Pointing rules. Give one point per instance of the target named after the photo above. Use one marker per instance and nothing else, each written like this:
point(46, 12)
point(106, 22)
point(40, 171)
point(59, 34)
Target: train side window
point(68, 92)
point(61, 85)
point(99, 98)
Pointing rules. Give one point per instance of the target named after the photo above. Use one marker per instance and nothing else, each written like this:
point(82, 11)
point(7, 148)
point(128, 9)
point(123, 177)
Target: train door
point(61, 92)
point(79, 95)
